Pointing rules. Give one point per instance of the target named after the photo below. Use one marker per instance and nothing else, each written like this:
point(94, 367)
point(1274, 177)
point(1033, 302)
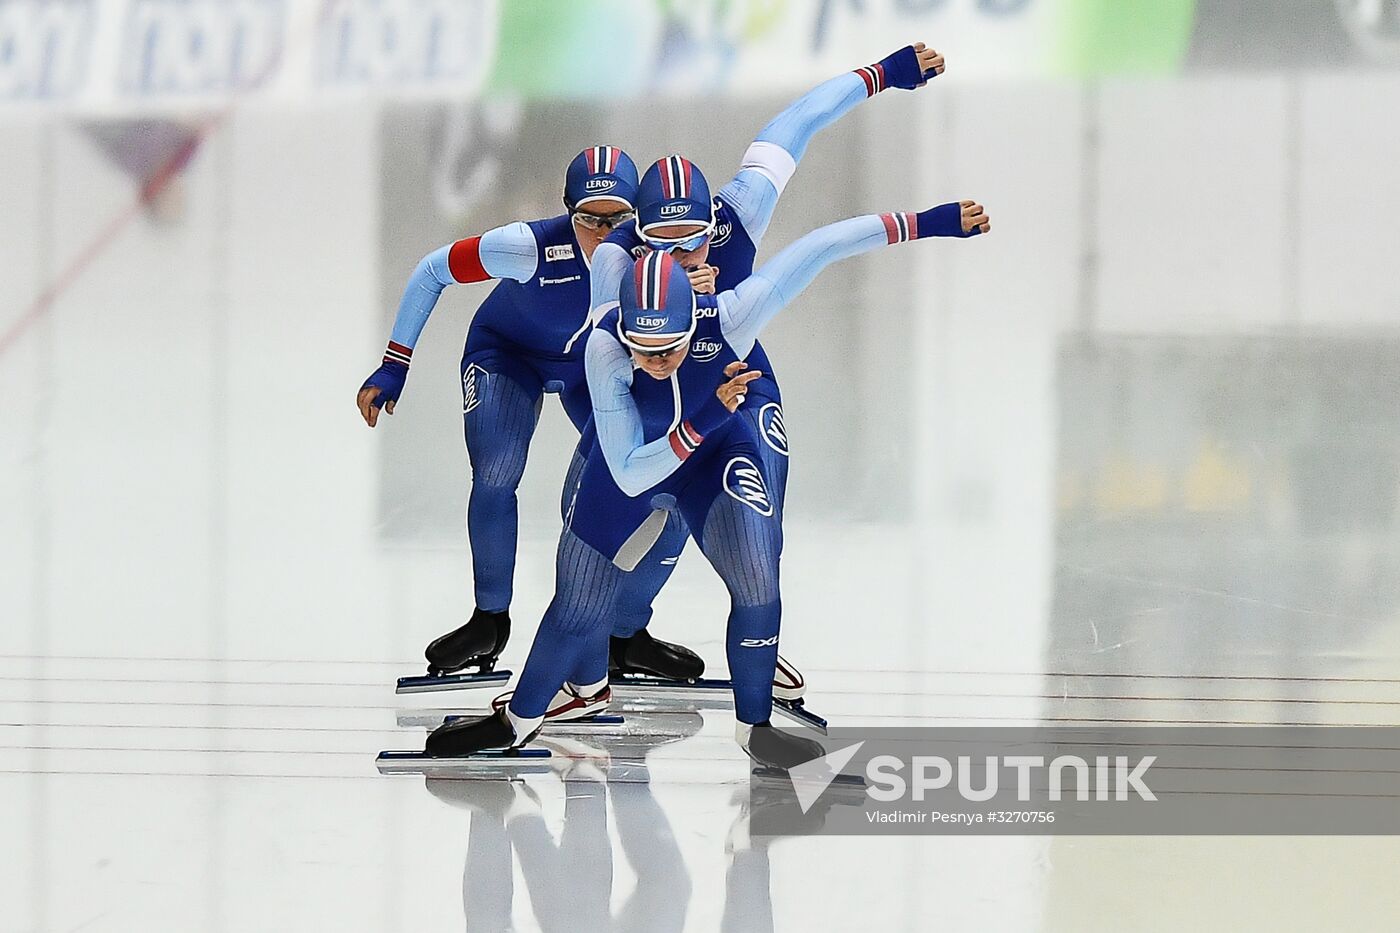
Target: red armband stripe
point(874, 78)
point(464, 261)
point(869, 80)
point(398, 353)
point(900, 226)
point(891, 229)
point(685, 439)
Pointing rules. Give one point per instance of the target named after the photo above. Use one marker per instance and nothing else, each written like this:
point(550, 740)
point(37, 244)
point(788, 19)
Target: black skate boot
point(464, 737)
point(776, 749)
point(477, 644)
point(642, 654)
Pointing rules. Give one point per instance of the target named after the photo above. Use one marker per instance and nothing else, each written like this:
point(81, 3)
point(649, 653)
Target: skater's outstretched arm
point(772, 159)
point(611, 262)
point(636, 465)
point(745, 310)
point(508, 252)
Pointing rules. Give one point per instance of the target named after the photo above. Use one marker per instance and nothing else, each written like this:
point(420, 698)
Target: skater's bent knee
point(744, 548)
point(501, 469)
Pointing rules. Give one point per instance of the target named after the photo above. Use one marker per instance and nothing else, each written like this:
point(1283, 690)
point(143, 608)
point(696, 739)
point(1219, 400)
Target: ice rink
point(1132, 459)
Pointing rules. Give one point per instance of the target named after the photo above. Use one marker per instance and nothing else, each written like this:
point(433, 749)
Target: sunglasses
point(603, 221)
point(685, 246)
point(653, 353)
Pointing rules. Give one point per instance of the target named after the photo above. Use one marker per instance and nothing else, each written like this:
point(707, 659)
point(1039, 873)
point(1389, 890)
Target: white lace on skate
point(788, 682)
point(567, 704)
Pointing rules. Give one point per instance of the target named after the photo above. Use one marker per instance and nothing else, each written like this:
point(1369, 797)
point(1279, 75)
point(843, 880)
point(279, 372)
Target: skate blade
point(558, 727)
point(705, 693)
point(432, 718)
point(486, 764)
point(659, 693)
point(799, 713)
point(640, 683)
point(435, 683)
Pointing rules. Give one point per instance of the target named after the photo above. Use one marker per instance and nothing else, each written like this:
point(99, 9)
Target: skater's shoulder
point(729, 227)
point(552, 231)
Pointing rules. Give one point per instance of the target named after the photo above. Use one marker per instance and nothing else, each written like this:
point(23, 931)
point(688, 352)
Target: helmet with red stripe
point(600, 172)
point(656, 302)
point(673, 191)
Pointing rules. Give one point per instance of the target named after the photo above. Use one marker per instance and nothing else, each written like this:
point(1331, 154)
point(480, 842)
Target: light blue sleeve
point(770, 162)
point(510, 252)
point(609, 267)
point(606, 270)
point(753, 196)
point(635, 466)
point(507, 252)
point(747, 309)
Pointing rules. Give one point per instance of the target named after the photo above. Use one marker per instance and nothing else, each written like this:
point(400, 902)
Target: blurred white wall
point(182, 394)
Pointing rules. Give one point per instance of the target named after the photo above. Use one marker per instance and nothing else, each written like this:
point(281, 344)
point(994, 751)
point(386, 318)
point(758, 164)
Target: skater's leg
point(641, 587)
point(500, 411)
point(592, 666)
point(585, 597)
point(632, 650)
point(766, 420)
point(743, 540)
point(602, 529)
point(500, 408)
point(571, 479)
point(591, 669)
point(764, 414)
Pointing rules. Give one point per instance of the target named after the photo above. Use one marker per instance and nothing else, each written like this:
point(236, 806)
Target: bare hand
point(929, 59)
point(368, 411)
point(703, 279)
point(732, 393)
point(974, 216)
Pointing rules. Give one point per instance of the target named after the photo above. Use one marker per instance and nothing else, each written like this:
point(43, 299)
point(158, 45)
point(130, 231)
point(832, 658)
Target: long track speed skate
point(701, 693)
point(477, 644)
point(789, 688)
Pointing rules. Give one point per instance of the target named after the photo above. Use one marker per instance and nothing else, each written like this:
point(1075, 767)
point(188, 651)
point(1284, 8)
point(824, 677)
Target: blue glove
point(388, 379)
point(943, 220)
point(901, 70)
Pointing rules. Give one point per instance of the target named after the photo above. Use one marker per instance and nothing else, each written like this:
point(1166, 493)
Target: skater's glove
point(957, 218)
point(384, 386)
point(901, 69)
point(388, 379)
